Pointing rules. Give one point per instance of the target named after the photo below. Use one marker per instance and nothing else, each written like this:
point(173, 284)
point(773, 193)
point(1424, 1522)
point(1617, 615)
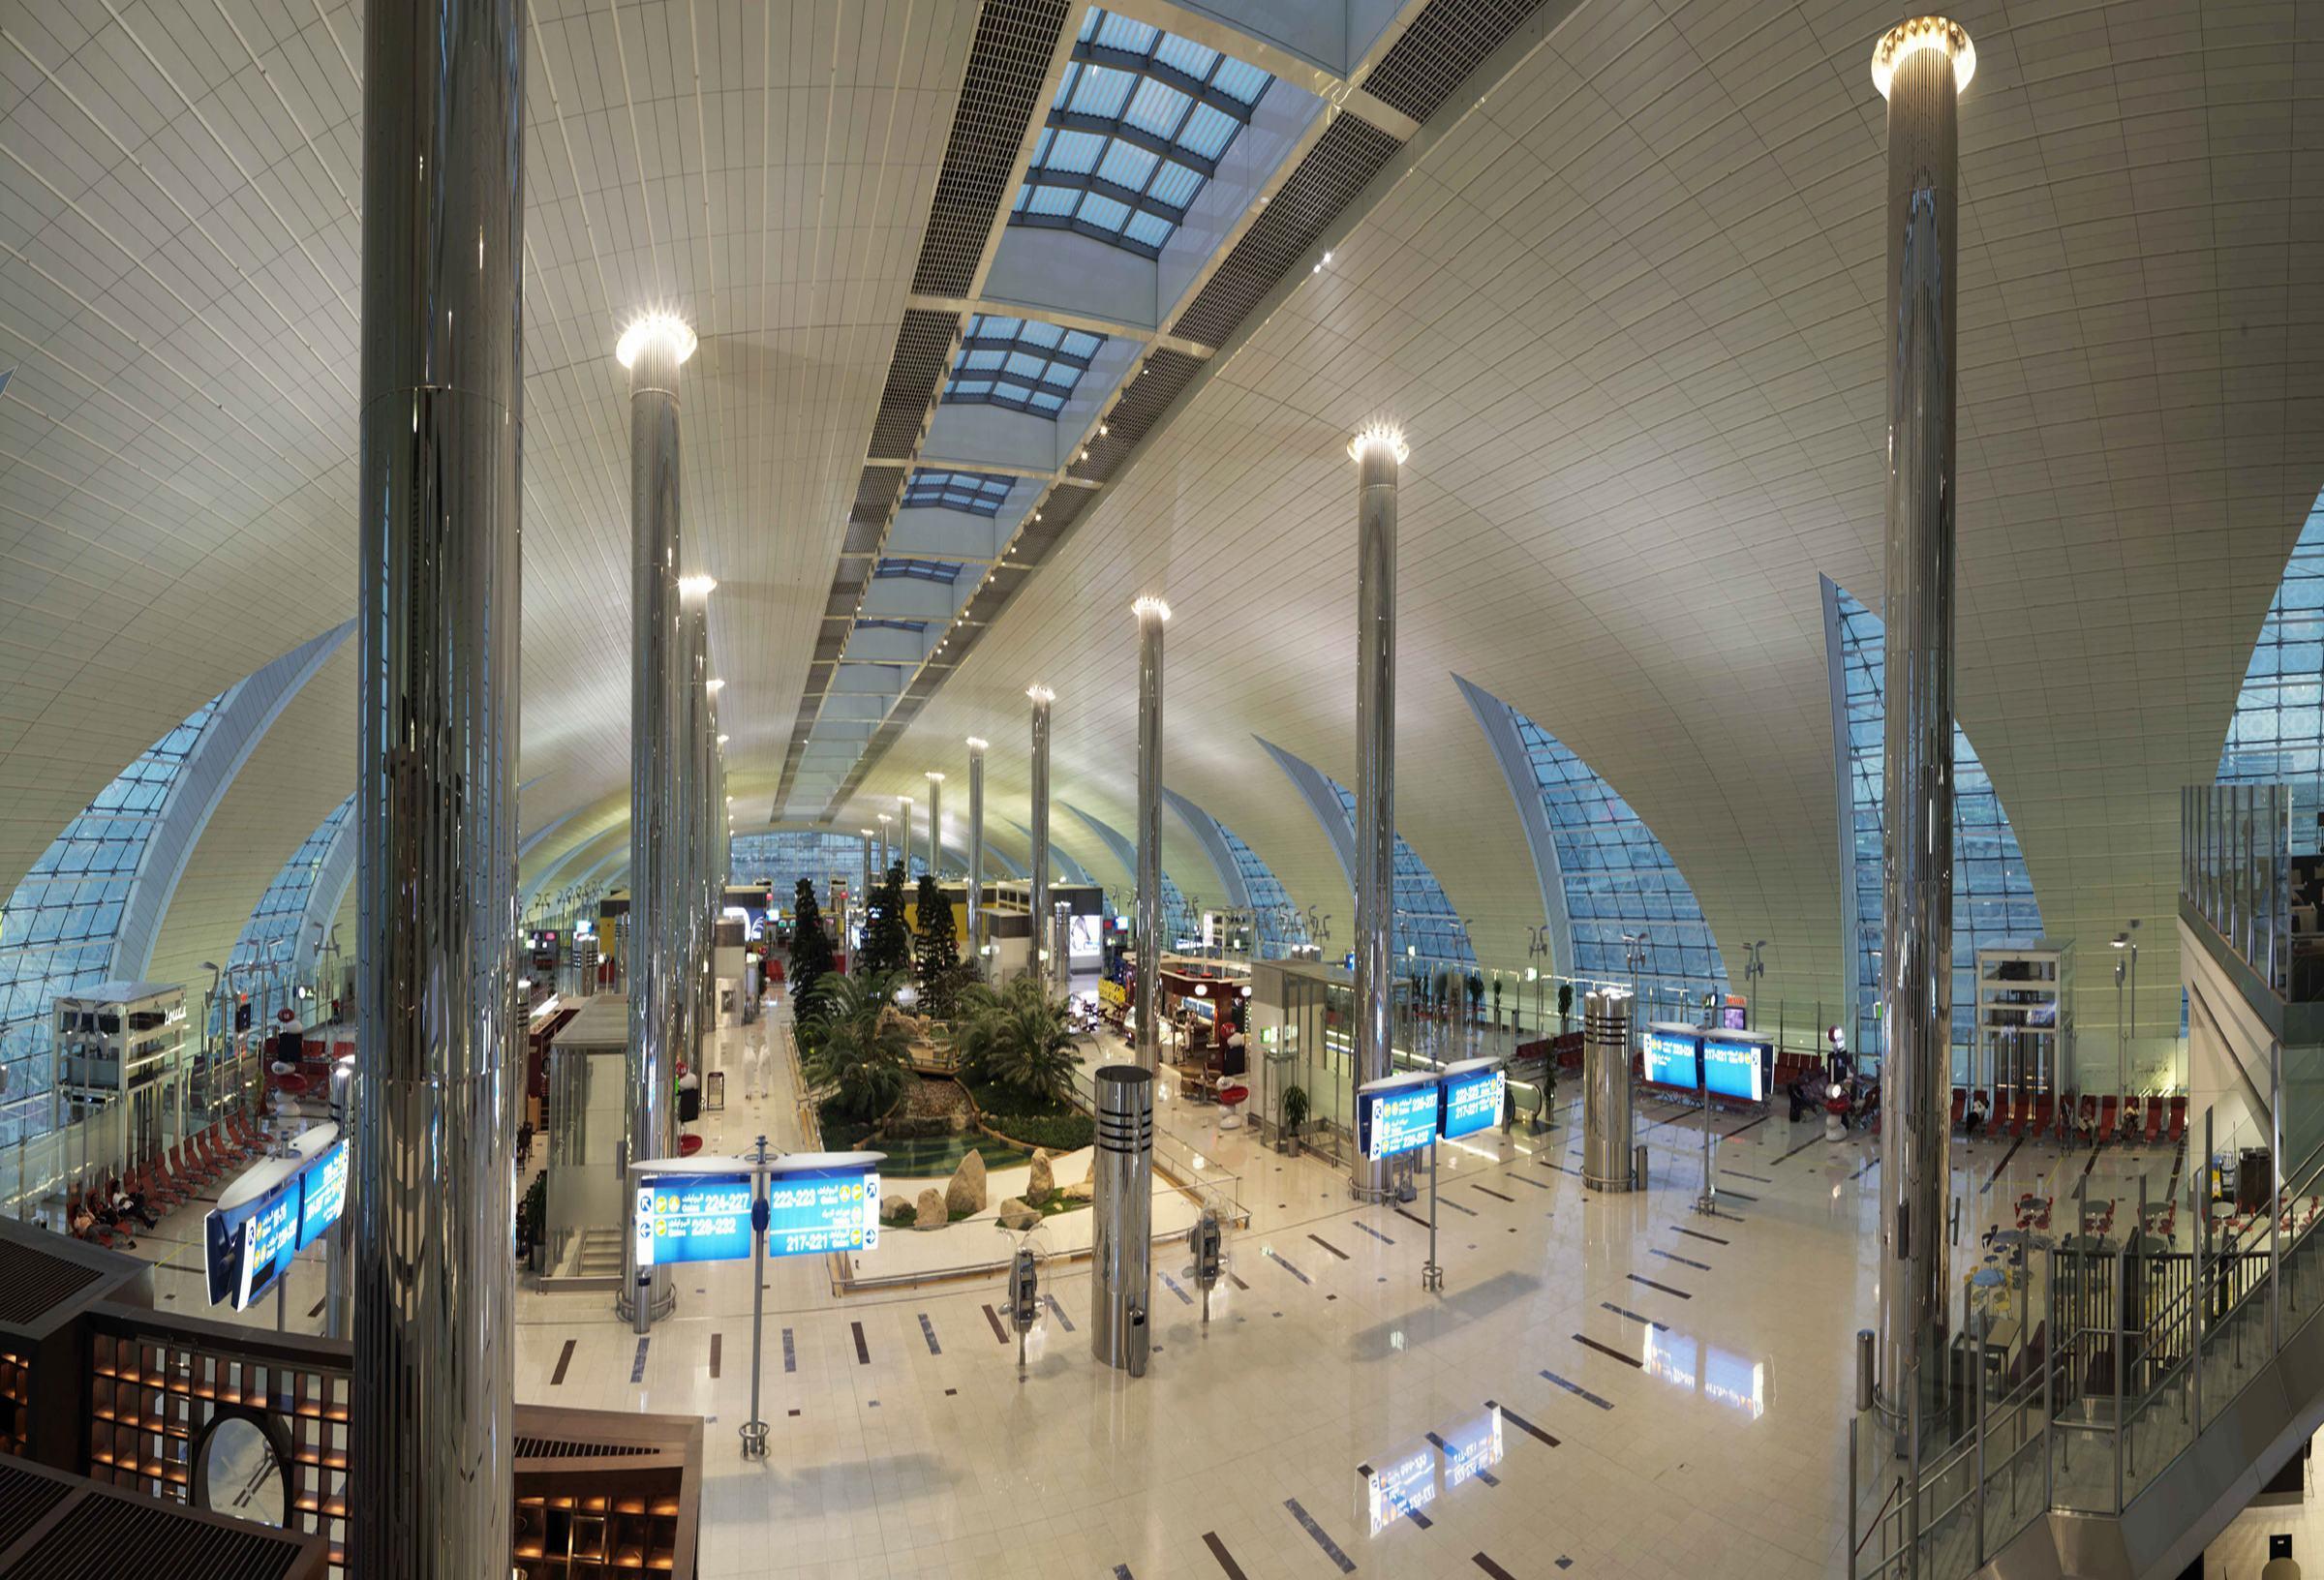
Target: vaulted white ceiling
point(1626, 308)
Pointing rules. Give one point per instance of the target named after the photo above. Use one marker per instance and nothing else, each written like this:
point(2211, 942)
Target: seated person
point(1975, 1114)
point(127, 1205)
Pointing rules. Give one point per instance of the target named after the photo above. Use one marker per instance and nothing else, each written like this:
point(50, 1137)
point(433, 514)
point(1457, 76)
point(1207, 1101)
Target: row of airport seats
point(173, 1178)
point(2154, 1118)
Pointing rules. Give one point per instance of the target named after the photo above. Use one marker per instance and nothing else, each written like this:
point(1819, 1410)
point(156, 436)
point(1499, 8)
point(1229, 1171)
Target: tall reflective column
point(440, 425)
point(936, 823)
point(1920, 67)
point(864, 897)
point(976, 854)
point(1153, 615)
point(882, 876)
point(904, 842)
point(1041, 696)
point(710, 823)
point(1379, 454)
point(654, 348)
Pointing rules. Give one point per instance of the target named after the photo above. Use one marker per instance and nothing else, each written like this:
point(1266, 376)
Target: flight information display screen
point(1735, 1069)
point(1397, 1115)
point(251, 1244)
point(1668, 1058)
point(322, 1195)
point(1473, 1100)
point(694, 1218)
point(822, 1208)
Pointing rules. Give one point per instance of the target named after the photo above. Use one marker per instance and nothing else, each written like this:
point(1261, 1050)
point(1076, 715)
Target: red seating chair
point(2178, 1116)
point(2106, 1117)
point(1960, 1106)
point(2155, 1112)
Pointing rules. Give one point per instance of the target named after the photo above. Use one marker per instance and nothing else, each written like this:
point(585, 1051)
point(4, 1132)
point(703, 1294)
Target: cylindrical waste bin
point(1122, 1190)
point(1607, 1163)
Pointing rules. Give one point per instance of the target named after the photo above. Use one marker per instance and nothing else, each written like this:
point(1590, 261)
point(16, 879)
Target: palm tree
point(863, 1056)
point(1016, 1037)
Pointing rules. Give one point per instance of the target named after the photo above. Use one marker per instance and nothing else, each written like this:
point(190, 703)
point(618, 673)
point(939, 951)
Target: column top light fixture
point(1923, 33)
point(1383, 433)
point(723, 739)
point(933, 776)
point(714, 685)
point(884, 818)
point(1040, 693)
point(976, 742)
point(1154, 606)
point(870, 834)
point(652, 329)
point(697, 586)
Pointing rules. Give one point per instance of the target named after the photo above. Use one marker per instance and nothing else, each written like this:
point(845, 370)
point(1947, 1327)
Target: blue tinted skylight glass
point(1427, 929)
point(915, 627)
point(1138, 125)
point(975, 492)
point(2276, 736)
point(1021, 363)
point(923, 570)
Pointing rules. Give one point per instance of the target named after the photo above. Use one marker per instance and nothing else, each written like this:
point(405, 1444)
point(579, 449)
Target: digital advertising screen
point(1396, 1115)
point(694, 1217)
point(322, 1195)
point(1473, 1098)
point(822, 1208)
point(1668, 1058)
point(1735, 1069)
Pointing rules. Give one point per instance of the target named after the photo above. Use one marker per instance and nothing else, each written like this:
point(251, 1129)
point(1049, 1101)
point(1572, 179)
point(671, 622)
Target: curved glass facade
point(58, 927)
point(780, 859)
point(1993, 895)
point(272, 931)
point(1427, 926)
point(1281, 924)
point(1616, 879)
point(2276, 736)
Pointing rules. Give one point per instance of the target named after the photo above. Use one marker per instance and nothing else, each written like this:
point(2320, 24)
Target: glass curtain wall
point(1280, 927)
point(1428, 930)
point(2276, 736)
point(268, 958)
point(781, 859)
point(1993, 895)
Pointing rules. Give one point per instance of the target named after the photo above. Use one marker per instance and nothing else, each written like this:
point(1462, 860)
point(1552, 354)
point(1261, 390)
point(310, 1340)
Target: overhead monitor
point(1474, 1093)
point(1398, 1114)
point(1735, 1067)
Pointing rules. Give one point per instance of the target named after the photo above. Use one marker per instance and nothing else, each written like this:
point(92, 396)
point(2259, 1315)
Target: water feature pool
point(935, 1157)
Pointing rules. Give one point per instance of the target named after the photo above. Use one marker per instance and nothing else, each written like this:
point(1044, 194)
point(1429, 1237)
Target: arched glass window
point(58, 927)
point(271, 935)
point(1427, 926)
point(1993, 893)
point(2276, 736)
point(780, 859)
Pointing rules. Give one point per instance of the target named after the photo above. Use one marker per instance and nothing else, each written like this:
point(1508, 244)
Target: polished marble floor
point(1671, 1391)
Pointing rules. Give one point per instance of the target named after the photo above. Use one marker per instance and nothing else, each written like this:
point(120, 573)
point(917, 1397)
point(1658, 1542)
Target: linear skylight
point(978, 492)
point(1139, 125)
point(925, 571)
point(1021, 363)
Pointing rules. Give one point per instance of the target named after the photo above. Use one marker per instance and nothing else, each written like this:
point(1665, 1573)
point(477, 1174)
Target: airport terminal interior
point(743, 834)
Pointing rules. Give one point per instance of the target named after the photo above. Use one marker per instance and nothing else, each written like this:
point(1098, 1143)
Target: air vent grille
point(1014, 40)
point(1445, 43)
point(923, 351)
point(33, 1282)
point(1159, 382)
point(1349, 153)
point(119, 1536)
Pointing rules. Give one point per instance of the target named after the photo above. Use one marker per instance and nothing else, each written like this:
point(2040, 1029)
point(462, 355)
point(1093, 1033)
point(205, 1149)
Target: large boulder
point(1015, 1214)
point(1038, 1187)
point(966, 1192)
point(931, 1210)
point(1082, 1190)
point(895, 1209)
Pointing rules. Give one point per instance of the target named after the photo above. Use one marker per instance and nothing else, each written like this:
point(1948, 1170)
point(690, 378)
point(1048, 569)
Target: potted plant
point(1565, 1005)
point(1295, 1118)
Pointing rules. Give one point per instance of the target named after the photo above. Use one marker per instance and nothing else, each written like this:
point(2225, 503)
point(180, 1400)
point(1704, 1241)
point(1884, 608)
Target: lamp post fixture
point(1753, 970)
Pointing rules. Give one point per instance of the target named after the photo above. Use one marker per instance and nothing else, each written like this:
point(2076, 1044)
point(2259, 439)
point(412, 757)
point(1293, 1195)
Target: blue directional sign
point(322, 1195)
point(276, 1209)
point(822, 1207)
point(1472, 1447)
point(1473, 1091)
point(1667, 1057)
point(1404, 1487)
point(270, 1240)
point(1734, 1068)
point(1398, 1114)
point(694, 1217)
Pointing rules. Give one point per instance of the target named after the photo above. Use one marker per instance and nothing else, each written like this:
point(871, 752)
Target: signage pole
point(1708, 1200)
point(754, 1430)
point(282, 1297)
point(1432, 1276)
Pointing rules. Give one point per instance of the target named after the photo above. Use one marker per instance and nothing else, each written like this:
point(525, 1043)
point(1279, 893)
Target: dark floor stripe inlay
point(1576, 1389)
point(1528, 1179)
point(564, 1358)
point(1484, 1476)
point(790, 1354)
point(1803, 1146)
point(1492, 1569)
point(1522, 1424)
point(1741, 1174)
point(1411, 1218)
point(1373, 1232)
point(994, 1317)
point(1331, 1548)
point(1610, 1353)
point(1231, 1278)
point(1625, 1311)
point(1058, 1312)
point(1456, 1206)
point(1652, 1285)
point(863, 1351)
point(1273, 1257)
point(638, 1367)
point(1729, 1193)
point(718, 1344)
point(2003, 1164)
point(1749, 1124)
point(1226, 1561)
point(1495, 1194)
point(1184, 1299)
point(1698, 1234)
point(928, 1331)
point(1683, 1261)
point(1328, 1246)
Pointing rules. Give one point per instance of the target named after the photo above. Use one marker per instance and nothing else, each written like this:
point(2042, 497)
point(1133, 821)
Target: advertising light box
point(1396, 1115)
point(1474, 1093)
point(1736, 1069)
point(824, 1207)
point(694, 1217)
point(1667, 1057)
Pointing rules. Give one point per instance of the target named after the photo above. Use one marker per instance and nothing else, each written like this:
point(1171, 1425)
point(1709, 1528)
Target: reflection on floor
point(1609, 1385)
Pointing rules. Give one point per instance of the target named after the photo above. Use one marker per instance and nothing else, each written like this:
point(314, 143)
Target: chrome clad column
point(439, 425)
point(1920, 67)
point(862, 899)
point(1379, 453)
point(653, 349)
point(936, 825)
point(1153, 615)
point(1042, 697)
point(904, 841)
point(976, 854)
point(1122, 1199)
point(694, 675)
point(884, 820)
point(1606, 1108)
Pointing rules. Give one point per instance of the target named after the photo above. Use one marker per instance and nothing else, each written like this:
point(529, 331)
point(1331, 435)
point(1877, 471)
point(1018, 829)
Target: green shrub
point(863, 1057)
point(1059, 1133)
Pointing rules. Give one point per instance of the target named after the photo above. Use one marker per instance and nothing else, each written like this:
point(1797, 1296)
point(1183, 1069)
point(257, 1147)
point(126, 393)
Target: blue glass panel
point(1012, 359)
point(2276, 735)
point(1428, 930)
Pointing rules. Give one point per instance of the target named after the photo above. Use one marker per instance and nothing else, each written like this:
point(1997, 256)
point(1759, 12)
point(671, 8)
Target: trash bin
point(1140, 1341)
point(1638, 1167)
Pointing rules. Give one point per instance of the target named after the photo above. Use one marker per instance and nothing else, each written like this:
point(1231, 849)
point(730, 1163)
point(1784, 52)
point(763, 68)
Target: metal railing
point(2140, 1346)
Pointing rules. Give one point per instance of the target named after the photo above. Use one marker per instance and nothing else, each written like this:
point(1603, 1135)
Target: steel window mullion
point(1160, 145)
point(1201, 89)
